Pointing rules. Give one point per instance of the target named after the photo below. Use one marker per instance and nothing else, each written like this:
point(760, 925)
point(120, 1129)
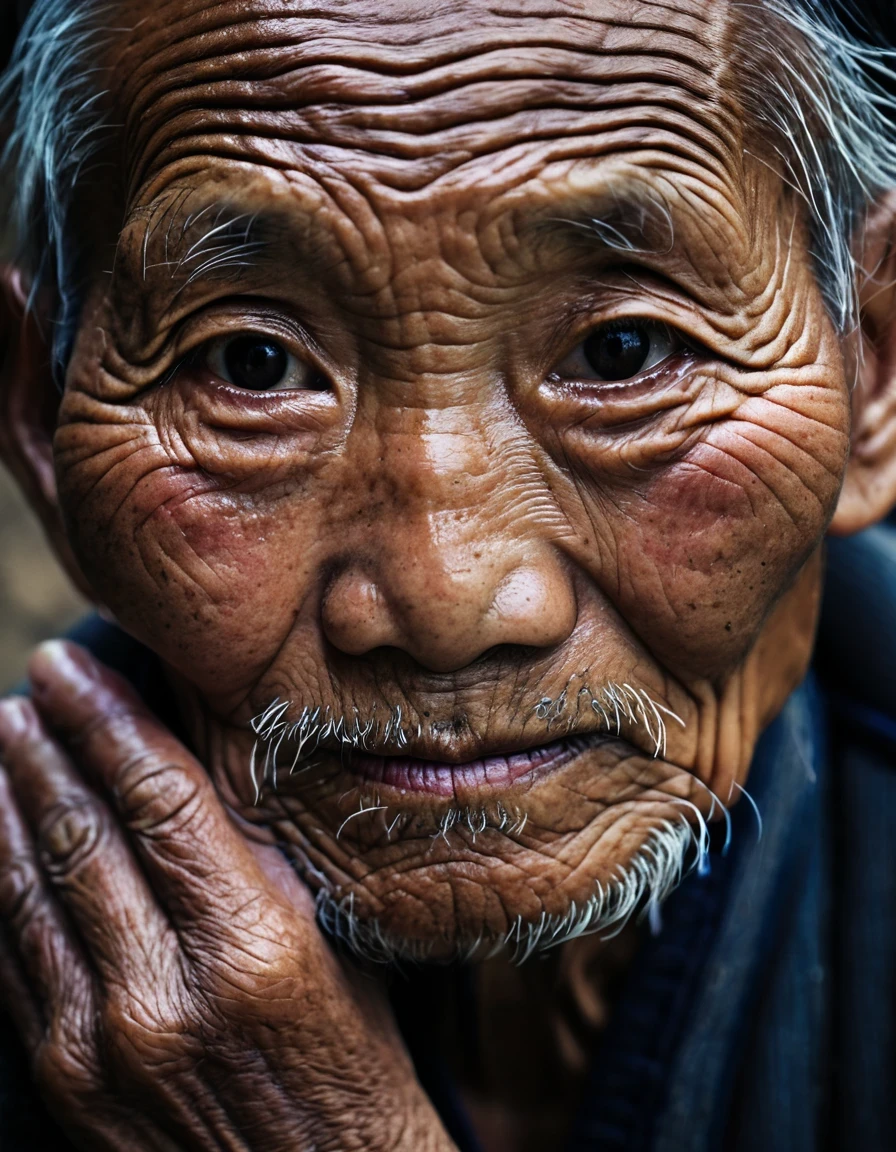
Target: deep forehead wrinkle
point(374, 29)
point(318, 82)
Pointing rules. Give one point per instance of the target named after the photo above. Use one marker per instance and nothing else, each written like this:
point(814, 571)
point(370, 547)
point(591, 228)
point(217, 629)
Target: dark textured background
point(36, 599)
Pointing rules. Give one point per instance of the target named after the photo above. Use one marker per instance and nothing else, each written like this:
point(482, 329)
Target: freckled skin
point(449, 526)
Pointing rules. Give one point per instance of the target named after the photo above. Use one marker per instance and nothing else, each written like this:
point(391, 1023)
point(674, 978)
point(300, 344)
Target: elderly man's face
point(462, 374)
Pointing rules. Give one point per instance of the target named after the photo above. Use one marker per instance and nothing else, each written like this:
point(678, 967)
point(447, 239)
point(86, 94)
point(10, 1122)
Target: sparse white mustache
point(273, 729)
point(615, 704)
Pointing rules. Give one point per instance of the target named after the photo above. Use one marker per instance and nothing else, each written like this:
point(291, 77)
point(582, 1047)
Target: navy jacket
point(762, 1017)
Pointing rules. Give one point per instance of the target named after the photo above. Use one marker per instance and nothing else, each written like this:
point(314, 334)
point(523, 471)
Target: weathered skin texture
point(450, 518)
point(450, 526)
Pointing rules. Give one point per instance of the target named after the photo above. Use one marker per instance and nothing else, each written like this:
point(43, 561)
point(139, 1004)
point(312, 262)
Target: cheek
point(705, 563)
point(211, 578)
point(716, 538)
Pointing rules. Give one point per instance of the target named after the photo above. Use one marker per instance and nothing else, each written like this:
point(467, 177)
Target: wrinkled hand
point(165, 974)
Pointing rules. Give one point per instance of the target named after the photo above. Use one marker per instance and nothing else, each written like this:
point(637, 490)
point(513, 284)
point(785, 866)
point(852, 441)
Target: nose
point(446, 606)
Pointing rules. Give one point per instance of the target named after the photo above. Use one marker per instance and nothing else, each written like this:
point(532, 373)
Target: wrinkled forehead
point(417, 99)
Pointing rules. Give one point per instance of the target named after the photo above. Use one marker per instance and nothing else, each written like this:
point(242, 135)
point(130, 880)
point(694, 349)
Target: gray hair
point(819, 93)
point(51, 96)
point(822, 99)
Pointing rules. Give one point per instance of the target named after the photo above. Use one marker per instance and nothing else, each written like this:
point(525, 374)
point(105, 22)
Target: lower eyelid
point(647, 378)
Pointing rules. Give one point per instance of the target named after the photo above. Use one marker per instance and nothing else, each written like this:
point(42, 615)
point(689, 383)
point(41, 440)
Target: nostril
point(510, 655)
point(447, 618)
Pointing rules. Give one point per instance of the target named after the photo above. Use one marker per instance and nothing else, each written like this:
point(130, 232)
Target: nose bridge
point(456, 558)
point(444, 471)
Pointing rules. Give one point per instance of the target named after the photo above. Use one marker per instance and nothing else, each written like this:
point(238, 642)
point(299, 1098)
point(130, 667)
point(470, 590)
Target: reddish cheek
point(197, 510)
point(210, 537)
point(208, 578)
point(702, 560)
point(689, 508)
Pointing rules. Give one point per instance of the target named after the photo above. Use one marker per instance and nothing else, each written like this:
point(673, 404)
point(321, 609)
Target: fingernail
point(68, 832)
point(16, 716)
point(55, 661)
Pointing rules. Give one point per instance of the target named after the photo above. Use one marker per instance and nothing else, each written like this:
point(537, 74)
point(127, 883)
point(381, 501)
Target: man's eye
point(260, 364)
point(620, 350)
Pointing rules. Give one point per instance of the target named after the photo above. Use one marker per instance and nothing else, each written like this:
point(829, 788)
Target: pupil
point(254, 362)
point(619, 352)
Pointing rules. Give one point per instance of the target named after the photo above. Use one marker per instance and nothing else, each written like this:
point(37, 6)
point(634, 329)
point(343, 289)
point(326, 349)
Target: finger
point(84, 858)
point(17, 998)
point(194, 857)
point(41, 964)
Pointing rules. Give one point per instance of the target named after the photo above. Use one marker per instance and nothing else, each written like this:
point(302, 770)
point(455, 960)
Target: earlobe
point(29, 403)
point(869, 488)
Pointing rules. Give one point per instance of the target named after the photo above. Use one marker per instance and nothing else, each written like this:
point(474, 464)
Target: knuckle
point(157, 795)
point(71, 835)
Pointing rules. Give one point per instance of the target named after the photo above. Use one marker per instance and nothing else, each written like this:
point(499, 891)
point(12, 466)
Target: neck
point(521, 1065)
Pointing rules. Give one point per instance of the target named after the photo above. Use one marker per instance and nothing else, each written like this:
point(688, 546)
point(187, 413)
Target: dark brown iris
point(255, 362)
point(618, 351)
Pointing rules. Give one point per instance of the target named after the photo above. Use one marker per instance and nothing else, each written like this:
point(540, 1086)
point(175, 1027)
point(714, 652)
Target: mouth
point(409, 774)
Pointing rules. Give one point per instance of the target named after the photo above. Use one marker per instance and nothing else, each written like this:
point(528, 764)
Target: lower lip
point(438, 778)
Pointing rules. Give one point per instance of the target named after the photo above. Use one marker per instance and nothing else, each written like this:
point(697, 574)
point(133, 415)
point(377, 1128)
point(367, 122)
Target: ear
point(29, 404)
point(869, 489)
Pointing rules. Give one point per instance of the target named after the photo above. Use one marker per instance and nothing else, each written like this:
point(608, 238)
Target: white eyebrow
point(638, 224)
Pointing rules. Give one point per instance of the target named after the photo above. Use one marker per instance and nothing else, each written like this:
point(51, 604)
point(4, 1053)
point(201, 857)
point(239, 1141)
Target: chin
point(426, 861)
point(466, 932)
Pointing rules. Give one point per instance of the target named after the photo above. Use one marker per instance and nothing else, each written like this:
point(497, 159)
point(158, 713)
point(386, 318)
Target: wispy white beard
point(672, 850)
